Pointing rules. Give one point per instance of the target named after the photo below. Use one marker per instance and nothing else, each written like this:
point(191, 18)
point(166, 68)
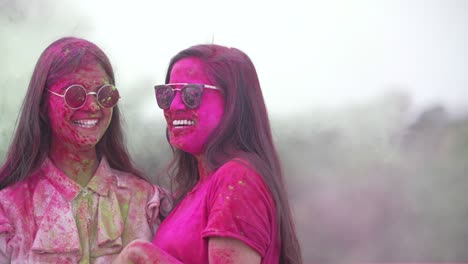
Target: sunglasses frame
point(184, 86)
point(90, 93)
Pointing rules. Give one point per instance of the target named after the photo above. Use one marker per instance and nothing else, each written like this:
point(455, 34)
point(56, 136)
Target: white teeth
point(86, 122)
point(183, 122)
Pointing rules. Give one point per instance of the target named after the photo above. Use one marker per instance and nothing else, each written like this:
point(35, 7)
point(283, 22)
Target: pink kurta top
point(234, 202)
point(48, 218)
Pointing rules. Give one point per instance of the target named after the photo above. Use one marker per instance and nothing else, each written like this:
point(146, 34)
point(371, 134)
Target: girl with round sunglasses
point(231, 202)
point(69, 191)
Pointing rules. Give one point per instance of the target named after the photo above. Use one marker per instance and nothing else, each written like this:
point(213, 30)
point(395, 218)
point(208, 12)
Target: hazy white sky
point(309, 54)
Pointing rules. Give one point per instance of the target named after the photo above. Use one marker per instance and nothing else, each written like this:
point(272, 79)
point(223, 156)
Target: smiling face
point(189, 129)
point(79, 128)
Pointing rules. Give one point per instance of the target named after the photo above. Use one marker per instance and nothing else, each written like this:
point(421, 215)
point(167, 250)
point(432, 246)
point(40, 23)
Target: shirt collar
point(102, 180)
point(69, 189)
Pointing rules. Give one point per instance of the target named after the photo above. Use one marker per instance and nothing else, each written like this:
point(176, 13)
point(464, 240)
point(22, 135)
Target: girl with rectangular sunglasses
point(231, 202)
point(69, 191)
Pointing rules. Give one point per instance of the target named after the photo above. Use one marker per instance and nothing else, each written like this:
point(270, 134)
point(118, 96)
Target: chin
point(88, 143)
point(188, 147)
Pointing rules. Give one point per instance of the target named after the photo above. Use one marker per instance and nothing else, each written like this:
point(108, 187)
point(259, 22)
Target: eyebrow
point(64, 86)
point(97, 86)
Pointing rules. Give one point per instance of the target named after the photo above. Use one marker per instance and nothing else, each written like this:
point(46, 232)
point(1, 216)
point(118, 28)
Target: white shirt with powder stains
point(48, 218)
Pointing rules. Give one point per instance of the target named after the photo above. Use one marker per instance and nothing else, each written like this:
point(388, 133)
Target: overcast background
point(368, 101)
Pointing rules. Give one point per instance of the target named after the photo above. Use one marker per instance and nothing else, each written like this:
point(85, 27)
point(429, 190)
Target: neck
point(78, 164)
point(203, 170)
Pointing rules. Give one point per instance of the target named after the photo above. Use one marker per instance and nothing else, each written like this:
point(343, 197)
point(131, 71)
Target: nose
point(177, 103)
point(91, 103)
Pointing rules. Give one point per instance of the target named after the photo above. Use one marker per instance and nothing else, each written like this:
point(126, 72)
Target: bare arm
point(144, 252)
point(231, 251)
point(220, 251)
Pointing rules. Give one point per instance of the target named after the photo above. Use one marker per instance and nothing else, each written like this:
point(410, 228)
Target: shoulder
point(12, 189)
point(19, 192)
point(8, 196)
point(241, 177)
point(238, 171)
point(237, 166)
point(16, 202)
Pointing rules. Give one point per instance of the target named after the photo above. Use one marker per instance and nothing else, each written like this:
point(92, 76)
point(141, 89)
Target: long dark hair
point(244, 132)
point(31, 141)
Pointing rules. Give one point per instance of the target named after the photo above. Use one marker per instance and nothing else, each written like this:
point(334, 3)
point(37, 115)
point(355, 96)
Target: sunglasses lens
point(108, 96)
point(192, 95)
point(164, 96)
point(75, 96)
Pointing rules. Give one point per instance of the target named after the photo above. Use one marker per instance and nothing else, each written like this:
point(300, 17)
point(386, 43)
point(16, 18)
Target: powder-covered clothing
point(49, 218)
point(234, 202)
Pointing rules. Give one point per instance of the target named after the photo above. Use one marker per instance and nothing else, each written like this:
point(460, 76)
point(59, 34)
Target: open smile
point(86, 123)
point(178, 123)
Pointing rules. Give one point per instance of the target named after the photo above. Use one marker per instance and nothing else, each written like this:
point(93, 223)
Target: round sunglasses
point(191, 94)
point(75, 96)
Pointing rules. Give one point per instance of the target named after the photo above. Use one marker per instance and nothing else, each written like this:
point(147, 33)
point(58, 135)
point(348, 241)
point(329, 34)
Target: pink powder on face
point(206, 118)
point(69, 125)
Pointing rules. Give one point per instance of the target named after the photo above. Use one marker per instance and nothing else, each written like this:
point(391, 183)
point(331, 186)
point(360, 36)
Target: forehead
point(87, 74)
point(189, 70)
point(91, 70)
